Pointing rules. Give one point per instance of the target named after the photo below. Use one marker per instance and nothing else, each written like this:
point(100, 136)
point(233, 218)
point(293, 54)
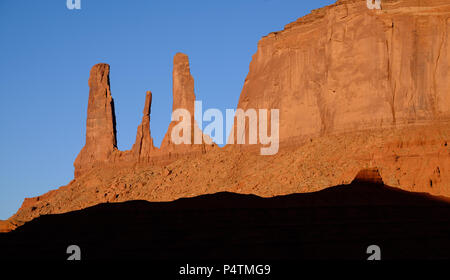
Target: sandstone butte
point(356, 88)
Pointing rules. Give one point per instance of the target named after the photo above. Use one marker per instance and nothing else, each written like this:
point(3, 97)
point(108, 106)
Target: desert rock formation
point(368, 175)
point(101, 144)
point(143, 146)
point(5, 226)
point(100, 124)
point(345, 68)
point(356, 89)
point(184, 98)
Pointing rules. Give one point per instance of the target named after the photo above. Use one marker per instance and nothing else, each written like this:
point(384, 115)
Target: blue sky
point(47, 50)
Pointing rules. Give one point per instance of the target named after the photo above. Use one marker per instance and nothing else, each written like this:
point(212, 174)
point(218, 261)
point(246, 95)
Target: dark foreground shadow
point(336, 223)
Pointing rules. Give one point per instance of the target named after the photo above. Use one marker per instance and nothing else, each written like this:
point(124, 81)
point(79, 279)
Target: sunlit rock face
point(346, 67)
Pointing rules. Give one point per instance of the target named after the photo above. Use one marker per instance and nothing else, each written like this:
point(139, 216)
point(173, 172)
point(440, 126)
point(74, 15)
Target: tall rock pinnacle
point(144, 142)
point(100, 123)
point(183, 84)
point(183, 98)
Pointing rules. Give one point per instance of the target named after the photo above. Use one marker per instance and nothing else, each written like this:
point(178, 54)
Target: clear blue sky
point(46, 52)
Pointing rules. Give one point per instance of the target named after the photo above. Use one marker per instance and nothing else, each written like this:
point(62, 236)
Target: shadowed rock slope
point(335, 223)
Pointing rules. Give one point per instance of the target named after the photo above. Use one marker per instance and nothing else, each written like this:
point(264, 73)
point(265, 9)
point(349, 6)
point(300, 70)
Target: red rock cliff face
point(345, 68)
